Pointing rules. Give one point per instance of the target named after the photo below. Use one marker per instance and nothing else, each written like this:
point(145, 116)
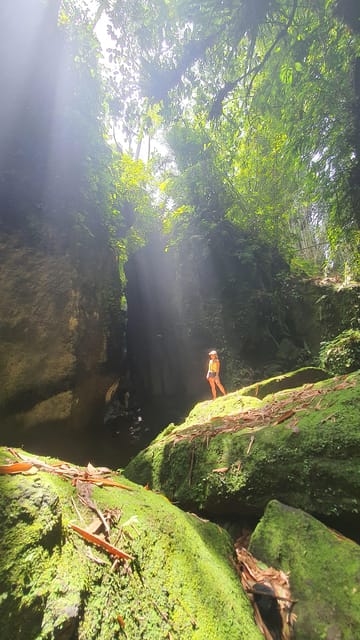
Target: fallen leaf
point(94, 539)
point(285, 416)
point(95, 526)
point(121, 621)
point(267, 582)
point(91, 469)
point(15, 467)
point(104, 482)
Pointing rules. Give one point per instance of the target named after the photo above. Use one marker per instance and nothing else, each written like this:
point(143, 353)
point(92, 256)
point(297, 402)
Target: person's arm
point(208, 371)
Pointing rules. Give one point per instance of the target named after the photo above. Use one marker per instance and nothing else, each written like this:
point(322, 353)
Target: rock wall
point(321, 309)
point(61, 335)
point(61, 329)
point(231, 294)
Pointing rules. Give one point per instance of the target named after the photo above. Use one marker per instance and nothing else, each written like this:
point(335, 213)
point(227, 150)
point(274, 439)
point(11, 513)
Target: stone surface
point(180, 584)
point(234, 454)
point(324, 571)
point(60, 321)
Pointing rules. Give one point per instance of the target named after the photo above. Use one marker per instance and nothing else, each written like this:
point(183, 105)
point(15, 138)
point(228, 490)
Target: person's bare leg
point(213, 388)
point(218, 384)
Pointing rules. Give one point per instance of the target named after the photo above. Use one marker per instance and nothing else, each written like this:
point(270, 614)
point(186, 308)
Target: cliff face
point(230, 295)
point(61, 331)
point(61, 334)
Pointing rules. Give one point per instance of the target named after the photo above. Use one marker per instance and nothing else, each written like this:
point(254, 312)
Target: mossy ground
point(324, 571)
point(310, 461)
point(181, 583)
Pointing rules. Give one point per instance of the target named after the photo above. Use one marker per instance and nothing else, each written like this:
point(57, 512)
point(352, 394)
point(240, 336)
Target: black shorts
point(212, 375)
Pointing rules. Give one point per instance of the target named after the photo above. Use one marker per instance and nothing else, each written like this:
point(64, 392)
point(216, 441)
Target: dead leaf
point(91, 469)
point(95, 526)
point(94, 539)
point(267, 583)
point(15, 467)
point(285, 416)
point(121, 621)
point(103, 482)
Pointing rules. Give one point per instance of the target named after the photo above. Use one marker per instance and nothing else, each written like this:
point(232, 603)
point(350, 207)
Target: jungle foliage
point(259, 106)
point(342, 354)
point(259, 102)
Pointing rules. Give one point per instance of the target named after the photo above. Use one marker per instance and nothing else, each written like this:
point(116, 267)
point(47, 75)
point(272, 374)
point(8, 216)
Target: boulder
point(236, 453)
point(290, 380)
point(178, 580)
point(324, 571)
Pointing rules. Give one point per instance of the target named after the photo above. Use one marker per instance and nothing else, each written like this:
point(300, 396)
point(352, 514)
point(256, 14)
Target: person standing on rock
point(213, 374)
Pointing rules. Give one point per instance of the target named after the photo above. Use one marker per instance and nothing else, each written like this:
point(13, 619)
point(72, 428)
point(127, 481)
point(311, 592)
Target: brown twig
point(252, 439)
point(76, 509)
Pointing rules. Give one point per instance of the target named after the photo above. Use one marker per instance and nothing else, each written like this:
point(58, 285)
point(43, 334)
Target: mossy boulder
point(235, 454)
point(180, 584)
point(324, 571)
point(306, 375)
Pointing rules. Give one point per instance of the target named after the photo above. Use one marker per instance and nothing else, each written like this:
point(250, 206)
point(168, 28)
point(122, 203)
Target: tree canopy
point(259, 103)
point(264, 95)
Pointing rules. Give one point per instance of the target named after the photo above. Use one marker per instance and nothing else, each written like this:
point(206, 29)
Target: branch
point(118, 145)
point(158, 82)
point(280, 35)
point(216, 108)
point(99, 11)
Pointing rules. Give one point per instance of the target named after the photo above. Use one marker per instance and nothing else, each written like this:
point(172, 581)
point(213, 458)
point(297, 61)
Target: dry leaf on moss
point(269, 592)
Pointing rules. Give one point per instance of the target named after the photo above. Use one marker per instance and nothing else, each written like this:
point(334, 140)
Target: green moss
point(324, 571)
point(30, 533)
point(310, 461)
point(342, 354)
point(181, 581)
point(306, 375)
point(227, 405)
